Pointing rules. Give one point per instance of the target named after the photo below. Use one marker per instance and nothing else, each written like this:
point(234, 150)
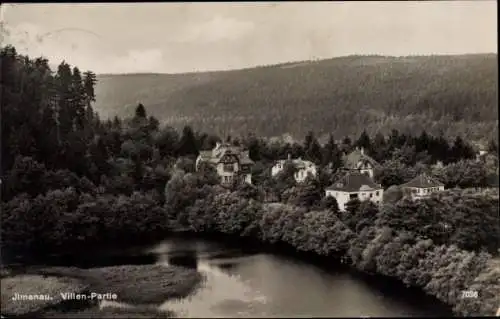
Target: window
point(227, 179)
point(376, 193)
point(353, 196)
point(363, 194)
point(228, 167)
point(371, 195)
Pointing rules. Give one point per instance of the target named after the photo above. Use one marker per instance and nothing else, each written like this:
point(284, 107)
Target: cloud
point(80, 48)
point(218, 28)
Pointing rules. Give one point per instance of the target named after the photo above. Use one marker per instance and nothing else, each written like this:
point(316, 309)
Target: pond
point(243, 282)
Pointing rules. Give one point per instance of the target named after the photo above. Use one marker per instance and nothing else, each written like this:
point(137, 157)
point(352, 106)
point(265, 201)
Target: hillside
point(453, 94)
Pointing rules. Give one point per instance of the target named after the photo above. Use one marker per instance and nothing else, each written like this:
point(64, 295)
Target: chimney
point(289, 156)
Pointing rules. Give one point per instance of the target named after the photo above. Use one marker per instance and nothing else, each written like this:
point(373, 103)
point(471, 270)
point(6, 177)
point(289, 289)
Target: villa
point(422, 186)
point(231, 163)
point(304, 168)
point(358, 161)
point(355, 185)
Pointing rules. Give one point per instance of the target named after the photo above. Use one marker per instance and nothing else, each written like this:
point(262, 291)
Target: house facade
point(231, 163)
point(422, 186)
point(355, 185)
point(358, 161)
point(304, 168)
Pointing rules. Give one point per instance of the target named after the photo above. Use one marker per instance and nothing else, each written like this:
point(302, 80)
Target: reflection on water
point(222, 295)
point(239, 284)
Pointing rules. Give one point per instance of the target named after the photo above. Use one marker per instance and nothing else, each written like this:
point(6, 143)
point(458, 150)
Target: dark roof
point(354, 182)
point(352, 159)
point(423, 181)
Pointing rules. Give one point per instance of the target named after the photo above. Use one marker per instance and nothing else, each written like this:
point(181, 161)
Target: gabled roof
point(352, 159)
point(423, 181)
point(298, 163)
point(215, 155)
point(354, 182)
point(478, 147)
point(245, 158)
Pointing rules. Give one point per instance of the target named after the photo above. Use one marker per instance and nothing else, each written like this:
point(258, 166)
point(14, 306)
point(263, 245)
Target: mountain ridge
point(299, 62)
point(453, 94)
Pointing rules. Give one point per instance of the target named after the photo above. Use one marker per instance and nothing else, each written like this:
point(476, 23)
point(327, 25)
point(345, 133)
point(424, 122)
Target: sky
point(187, 37)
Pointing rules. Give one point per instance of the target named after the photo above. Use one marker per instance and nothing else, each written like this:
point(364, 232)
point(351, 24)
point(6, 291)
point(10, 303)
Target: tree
point(306, 194)
point(312, 148)
point(463, 174)
point(364, 141)
point(140, 111)
point(460, 150)
point(393, 194)
point(167, 140)
point(406, 155)
point(493, 147)
point(346, 144)
point(187, 145)
point(329, 203)
point(379, 148)
point(79, 98)
point(393, 172)
point(89, 82)
point(286, 178)
point(331, 154)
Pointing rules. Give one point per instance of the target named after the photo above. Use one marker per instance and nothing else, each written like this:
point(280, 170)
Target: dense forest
point(71, 181)
point(453, 95)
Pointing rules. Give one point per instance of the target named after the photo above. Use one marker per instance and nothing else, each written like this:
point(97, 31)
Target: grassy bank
point(145, 286)
point(36, 285)
point(96, 312)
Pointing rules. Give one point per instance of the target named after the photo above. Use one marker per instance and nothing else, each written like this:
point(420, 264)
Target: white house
point(422, 186)
point(358, 161)
point(481, 155)
point(304, 168)
point(355, 185)
point(230, 162)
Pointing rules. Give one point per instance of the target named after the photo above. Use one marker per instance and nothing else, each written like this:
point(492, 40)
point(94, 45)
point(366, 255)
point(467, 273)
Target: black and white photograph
point(282, 159)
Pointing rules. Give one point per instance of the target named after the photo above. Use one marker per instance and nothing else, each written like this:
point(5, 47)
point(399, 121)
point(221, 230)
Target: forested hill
point(453, 94)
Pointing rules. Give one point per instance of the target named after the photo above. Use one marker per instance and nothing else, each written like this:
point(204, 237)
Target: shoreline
point(249, 243)
point(286, 249)
point(142, 287)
